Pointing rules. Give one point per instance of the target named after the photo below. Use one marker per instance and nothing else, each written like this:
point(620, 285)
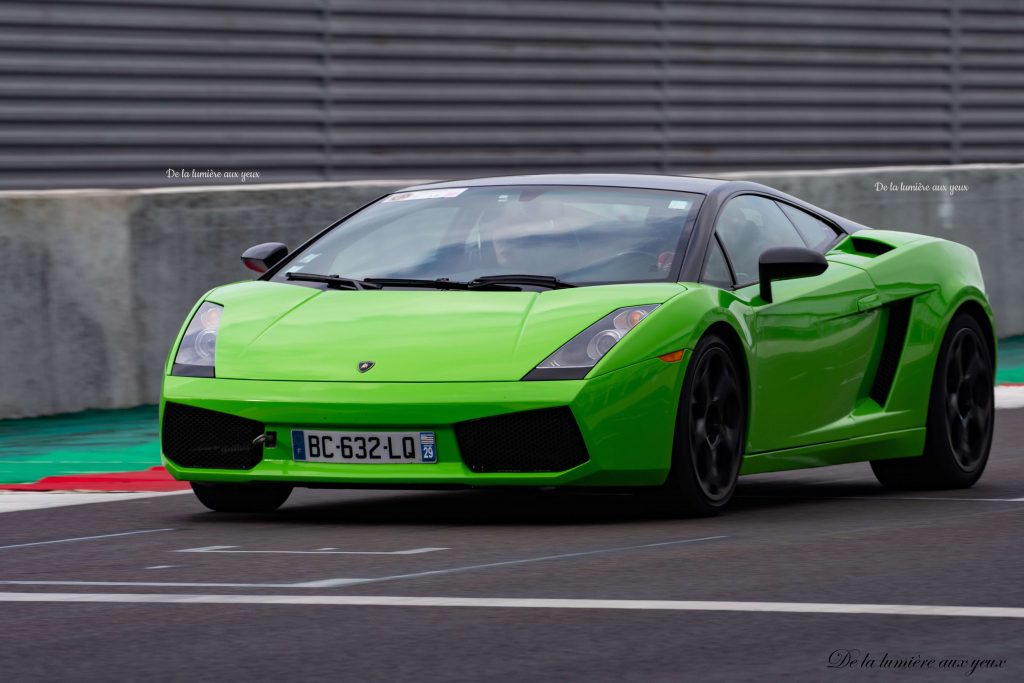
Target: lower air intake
point(546, 440)
point(196, 437)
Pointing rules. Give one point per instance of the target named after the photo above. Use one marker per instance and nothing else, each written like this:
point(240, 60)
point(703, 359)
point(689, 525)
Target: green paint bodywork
point(287, 356)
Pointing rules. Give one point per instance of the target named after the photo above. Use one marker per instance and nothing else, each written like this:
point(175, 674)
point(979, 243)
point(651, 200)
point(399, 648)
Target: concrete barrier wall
point(95, 283)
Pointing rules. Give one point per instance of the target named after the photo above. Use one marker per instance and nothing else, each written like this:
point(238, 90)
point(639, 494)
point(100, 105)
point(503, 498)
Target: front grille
point(196, 437)
point(546, 440)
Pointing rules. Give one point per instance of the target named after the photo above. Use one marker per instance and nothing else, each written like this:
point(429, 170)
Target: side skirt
point(904, 443)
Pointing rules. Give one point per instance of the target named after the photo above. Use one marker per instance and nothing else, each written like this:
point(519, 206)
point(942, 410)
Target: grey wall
point(112, 93)
point(94, 284)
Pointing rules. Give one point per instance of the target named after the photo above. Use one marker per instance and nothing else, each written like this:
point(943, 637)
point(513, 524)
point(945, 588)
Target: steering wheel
point(598, 269)
point(650, 259)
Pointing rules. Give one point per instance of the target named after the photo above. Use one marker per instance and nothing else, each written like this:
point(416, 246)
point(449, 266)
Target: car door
point(814, 343)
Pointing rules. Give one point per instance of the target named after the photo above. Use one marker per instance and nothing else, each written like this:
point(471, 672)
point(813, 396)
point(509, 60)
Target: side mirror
point(785, 263)
point(263, 257)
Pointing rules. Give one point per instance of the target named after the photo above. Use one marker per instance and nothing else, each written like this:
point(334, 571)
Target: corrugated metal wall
point(115, 92)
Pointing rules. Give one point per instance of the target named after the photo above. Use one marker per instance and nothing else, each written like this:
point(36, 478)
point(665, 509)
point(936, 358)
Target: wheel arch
point(976, 310)
point(682, 475)
point(735, 343)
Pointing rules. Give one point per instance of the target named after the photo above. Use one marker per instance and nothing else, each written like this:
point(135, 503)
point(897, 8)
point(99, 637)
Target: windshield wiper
point(503, 283)
point(548, 281)
point(332, 281)
point(440, 283)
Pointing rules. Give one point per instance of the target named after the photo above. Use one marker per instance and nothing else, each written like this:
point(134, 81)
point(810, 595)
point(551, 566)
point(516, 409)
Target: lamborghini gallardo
point(663, 335)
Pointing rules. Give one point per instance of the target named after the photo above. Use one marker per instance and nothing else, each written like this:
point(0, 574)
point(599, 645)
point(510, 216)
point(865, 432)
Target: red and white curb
point(80, 489)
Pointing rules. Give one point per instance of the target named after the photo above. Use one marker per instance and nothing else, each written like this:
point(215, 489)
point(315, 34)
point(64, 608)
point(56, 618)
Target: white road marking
point(179, 584)
point(1009, 396)
point(529, 603)
point(956, 498)
point(330, 583)
point(977, 500)
point(163, 566)
point(17, 501)
point(336, 583)
point(322, 551)
point(83, 538)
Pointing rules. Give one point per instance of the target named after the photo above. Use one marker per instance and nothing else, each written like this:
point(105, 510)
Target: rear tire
point(961, 413)
point(241, 497)
point(711, 428)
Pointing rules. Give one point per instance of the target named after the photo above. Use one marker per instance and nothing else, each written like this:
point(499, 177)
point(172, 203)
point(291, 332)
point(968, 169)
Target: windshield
point(577, 234)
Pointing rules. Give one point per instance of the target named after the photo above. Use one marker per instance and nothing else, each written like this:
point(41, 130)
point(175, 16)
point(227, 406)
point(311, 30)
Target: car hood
point(279, 331)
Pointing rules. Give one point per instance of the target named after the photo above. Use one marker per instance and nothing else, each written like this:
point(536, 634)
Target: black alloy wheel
point(961, 415)
point(711, 430)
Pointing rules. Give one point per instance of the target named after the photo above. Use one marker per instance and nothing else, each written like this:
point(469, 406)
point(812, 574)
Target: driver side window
point(747, 226)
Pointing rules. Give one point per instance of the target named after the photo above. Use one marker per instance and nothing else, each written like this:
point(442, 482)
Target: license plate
point(364, 447)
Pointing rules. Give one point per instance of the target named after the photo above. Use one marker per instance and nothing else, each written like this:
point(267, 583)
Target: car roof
point(633, 180)
point(717, 188)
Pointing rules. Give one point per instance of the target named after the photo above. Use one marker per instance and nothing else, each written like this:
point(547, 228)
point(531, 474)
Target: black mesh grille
point(546, 440)
point(196, 437)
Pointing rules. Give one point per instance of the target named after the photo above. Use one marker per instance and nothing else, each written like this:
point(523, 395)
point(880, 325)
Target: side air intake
point(897, 322)
point(870, 247)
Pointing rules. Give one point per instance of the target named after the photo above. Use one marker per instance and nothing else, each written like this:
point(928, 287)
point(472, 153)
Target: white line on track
point(324, 551)
point(1009, 396)
point(330, 583)
point(83, 538)
point(531, 603)
point(337, 583)
point(976, 500)
point(883, 498)
point(177, 584)
point(18, 501)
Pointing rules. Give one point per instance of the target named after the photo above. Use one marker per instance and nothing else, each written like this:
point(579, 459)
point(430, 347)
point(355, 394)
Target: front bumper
point(626, 418)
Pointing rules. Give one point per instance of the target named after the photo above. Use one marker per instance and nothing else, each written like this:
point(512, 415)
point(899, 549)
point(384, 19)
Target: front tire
point(241, 497)
point(961, 414)
point(710, 433)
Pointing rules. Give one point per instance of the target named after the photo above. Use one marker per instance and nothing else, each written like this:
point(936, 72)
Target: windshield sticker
point(425, 194)
point(307, 259)
point(682, 204)
point(294, 269)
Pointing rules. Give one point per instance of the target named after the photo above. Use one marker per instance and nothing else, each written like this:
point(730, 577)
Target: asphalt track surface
point(471, 586)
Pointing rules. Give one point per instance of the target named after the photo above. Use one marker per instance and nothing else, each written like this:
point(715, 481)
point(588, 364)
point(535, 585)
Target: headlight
point(197, 351)
point(578, 355)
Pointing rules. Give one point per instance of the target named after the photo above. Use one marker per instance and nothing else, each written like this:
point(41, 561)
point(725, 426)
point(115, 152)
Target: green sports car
point(659, 334)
